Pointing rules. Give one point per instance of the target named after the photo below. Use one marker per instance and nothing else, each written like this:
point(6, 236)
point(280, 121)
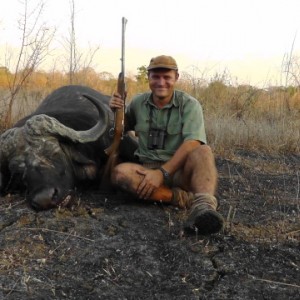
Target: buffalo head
point(44, 153)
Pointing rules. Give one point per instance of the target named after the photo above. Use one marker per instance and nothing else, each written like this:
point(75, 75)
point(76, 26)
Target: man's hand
point(116, 101)
point(152, 179)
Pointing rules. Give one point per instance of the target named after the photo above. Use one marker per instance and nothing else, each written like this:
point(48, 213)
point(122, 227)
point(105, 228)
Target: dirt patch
point(108, 246)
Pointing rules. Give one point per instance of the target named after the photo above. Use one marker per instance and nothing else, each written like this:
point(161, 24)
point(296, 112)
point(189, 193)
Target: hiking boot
point(203, 216)
point(181, 198)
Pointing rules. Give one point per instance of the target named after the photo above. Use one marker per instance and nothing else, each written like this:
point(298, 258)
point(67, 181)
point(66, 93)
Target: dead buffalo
point(58, 148)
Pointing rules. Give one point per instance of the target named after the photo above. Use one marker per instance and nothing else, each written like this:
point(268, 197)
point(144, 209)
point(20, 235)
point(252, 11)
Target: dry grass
point(236, 117)
point(228, 133)
point(253, 119)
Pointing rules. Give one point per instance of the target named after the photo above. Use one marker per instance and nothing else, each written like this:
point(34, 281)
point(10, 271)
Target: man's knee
point(117, 174)
point(203, 151)
point(123, 172)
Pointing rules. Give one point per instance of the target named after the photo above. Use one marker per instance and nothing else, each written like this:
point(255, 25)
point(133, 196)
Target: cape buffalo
point(59, 147)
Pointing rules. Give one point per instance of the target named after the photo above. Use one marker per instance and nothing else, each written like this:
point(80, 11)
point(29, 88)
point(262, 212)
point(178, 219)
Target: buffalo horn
point(44, 125)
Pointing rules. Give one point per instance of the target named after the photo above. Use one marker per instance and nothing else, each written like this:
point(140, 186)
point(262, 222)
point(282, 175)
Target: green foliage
point(142, 76)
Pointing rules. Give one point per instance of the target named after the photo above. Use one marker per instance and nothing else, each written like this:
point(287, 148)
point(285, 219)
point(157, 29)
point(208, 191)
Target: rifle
point(113, 150)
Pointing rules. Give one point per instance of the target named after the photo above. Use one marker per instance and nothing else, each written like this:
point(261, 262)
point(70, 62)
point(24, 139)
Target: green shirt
point(184, 122)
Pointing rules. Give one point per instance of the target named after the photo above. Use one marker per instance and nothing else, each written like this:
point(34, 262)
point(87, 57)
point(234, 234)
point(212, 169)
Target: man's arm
point(179, 157)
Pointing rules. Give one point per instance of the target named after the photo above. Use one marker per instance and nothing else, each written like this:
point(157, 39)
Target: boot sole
point(207, 222)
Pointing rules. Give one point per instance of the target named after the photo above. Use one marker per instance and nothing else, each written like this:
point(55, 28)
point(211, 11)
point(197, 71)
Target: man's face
point(162, 81)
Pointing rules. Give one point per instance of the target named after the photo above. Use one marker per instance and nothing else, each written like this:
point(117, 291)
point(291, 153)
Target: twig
point(9, 206)
point(59, 232)
point(276, 282)
point(292, 232)
point(12, 289)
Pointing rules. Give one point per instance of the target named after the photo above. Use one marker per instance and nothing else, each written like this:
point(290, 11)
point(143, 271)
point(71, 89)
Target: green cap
point(162, 62)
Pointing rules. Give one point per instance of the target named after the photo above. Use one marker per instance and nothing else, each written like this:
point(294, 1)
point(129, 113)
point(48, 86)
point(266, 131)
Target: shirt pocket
point(174, 128)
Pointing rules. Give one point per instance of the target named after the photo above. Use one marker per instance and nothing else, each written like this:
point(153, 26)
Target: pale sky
point(248, 39)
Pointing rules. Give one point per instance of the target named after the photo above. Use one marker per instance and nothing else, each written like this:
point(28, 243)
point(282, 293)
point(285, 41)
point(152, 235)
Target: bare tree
point(77, 59)
point(72, 44)
point(35, 41)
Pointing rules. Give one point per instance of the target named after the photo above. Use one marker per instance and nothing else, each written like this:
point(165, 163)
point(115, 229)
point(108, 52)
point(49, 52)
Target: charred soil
point(107, 246)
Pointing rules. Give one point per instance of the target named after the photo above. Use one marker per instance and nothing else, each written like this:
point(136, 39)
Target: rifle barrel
point(124, 22)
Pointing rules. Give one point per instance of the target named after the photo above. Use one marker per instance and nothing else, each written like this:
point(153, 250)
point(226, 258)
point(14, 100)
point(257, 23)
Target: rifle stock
point(113, 149)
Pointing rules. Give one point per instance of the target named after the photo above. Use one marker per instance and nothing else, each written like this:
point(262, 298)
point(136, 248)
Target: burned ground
point(108, 246)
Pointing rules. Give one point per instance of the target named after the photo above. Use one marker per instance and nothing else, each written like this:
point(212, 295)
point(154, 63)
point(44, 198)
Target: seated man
point(174, 163)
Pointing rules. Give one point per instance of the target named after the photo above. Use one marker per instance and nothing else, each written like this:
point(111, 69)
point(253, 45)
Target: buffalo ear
point(87, 171)
point(84, 168)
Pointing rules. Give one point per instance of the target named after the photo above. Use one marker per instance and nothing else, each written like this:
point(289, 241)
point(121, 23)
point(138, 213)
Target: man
point(174, 163)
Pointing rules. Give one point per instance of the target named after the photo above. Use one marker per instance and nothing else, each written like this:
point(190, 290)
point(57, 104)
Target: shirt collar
point(174, 100)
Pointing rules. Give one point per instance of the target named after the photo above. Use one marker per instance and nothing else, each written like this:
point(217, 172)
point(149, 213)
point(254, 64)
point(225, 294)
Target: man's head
point(162, 75)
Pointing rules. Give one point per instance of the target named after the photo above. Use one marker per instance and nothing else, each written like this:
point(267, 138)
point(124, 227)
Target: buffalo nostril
point(44, 199)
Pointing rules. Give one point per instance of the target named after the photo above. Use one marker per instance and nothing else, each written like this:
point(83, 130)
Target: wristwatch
point(165, 174)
